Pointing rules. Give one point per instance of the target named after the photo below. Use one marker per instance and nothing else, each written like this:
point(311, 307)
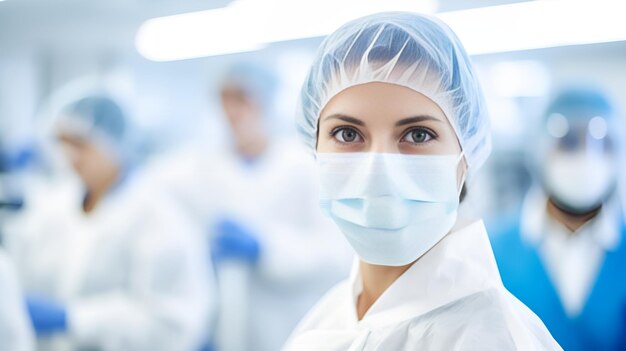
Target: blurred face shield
point(580, 170)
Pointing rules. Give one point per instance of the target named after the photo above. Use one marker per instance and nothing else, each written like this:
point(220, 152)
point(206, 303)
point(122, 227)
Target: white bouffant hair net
point(407, 49)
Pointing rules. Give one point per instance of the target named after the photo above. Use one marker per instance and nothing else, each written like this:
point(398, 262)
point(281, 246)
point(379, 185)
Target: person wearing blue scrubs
point(563, 254)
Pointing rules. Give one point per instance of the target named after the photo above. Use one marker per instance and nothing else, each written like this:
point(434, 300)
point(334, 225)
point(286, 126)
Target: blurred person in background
point(106, 261)
point(275, 253)
point(564, 253)
point(16, 333)
point(273, 224)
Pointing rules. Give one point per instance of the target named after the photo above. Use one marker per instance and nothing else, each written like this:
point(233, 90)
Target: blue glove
point(234, 242)
point(207, 347)
point(46, 315)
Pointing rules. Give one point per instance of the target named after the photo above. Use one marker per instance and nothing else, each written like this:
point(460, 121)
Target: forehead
point(378, 99)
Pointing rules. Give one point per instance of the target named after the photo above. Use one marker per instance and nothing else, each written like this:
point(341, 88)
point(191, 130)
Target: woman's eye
point(347, 135)
point(419, 135)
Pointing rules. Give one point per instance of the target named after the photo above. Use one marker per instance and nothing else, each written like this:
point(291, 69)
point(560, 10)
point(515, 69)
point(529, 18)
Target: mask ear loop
point(463, 176)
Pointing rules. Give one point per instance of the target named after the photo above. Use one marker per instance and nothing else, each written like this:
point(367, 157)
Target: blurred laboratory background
point(154, 194)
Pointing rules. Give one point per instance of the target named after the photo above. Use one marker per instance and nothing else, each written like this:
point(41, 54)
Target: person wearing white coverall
point(396, 116)
point(275, 252)
point(16, 333)
point(108, 263)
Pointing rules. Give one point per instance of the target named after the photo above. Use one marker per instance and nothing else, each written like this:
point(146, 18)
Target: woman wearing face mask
point(396, 117)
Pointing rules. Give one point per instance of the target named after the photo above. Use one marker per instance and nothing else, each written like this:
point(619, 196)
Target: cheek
point(448, 143)
point(243, 115)
point(233, 107)
point(85, 166)
point(232, 112)
point(71, 155)
point(324, 144)
point(89, 159)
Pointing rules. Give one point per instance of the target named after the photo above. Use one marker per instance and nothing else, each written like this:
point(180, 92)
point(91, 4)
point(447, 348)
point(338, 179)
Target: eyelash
point(336, 131)
point(431, 134)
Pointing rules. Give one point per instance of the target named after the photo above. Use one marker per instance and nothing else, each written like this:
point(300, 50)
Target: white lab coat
point(452, 298)
point(16, 333)
point(132, 274)
point(302, 254)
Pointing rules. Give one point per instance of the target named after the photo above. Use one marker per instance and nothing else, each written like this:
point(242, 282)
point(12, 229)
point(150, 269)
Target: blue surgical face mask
point(392, 208)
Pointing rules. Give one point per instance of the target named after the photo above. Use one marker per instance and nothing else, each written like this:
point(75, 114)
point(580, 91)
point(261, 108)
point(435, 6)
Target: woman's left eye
point(418, 136)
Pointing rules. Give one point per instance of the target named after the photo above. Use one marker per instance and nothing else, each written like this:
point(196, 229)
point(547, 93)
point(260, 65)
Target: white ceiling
point(83, 25)
point(106, 25)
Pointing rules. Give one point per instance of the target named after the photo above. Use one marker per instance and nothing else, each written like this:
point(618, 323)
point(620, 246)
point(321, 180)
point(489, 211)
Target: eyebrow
point(345, 118)
point(415, 119)
point(400, 123)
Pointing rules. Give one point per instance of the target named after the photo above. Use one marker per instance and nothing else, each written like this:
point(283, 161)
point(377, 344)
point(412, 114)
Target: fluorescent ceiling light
point(538, 24)
point(197, 34)
point(248, 25)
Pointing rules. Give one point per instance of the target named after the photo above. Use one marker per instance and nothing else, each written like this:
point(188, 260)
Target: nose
point(375, 177)
point(383, 144)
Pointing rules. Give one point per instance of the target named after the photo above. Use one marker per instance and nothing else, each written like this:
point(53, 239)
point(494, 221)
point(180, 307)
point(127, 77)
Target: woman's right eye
point(346, 135)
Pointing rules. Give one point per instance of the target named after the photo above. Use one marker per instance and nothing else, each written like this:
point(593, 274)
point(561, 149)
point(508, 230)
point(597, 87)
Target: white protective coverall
point(451, 298)
point(133, 274)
